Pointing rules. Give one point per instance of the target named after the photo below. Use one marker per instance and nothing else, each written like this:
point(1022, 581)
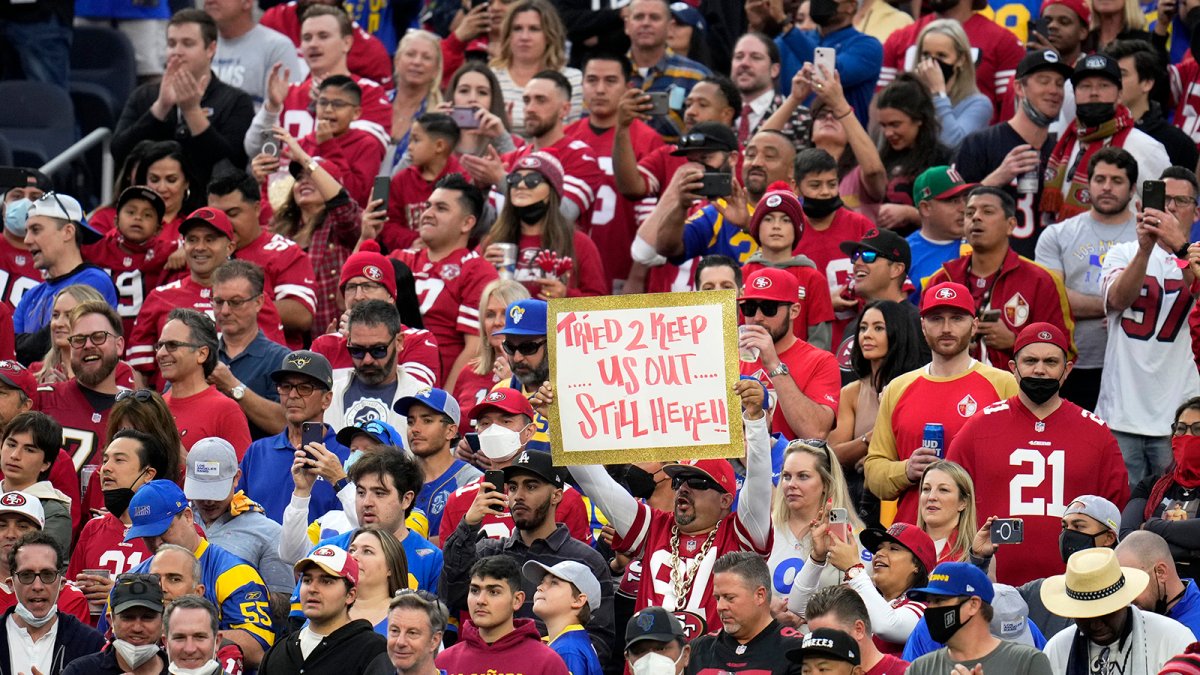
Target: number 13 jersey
point(1032, 469)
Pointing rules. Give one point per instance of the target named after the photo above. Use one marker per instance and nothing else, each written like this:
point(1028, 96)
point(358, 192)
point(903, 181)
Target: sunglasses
point(47, 577)
point(525, 348)
point(530, 180)
point(141, 395)
point(173, 346)
point(377, 352)
point(97, 338)
point(866, 255)
point(769, 308)
point(695, 483)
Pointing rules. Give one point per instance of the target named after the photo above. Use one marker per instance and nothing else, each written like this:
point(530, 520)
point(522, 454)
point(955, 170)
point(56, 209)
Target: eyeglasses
point(694, 482)
point(1182, 429)
point(525, 348)
point(769, 308)
point(531, 179)
point(366, 286)
point(1180, 201)
point(173, 346)
point(234, 303)
point(302, 389)
point(377, 352)
point(47, 577)
point(141, 395)
point(334, 103)
point(97, 338)
point(866, 255)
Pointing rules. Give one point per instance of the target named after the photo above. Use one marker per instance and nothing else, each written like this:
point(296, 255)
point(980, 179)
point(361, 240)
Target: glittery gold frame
point(727, 300)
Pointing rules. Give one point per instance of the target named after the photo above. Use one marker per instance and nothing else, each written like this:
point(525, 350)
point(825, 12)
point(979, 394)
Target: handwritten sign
point(644, 378)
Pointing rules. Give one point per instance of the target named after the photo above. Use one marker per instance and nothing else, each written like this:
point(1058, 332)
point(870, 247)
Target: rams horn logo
point(761, 282)
point(516, 313)
point(13, 499)
point(300, 362)
point(373, 273)
point(946, 294)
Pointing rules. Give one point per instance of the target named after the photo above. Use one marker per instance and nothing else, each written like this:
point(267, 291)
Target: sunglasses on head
point(377, 352)
point(694, 482)
point(531, 179)
point(866, 255)
point(769, 308)
point(526, 348)
point(141, 395)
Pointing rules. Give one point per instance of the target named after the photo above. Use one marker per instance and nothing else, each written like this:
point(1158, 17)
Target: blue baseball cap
point(430, 397)
point(153, 508)
point(524, 317)
point(956, 579)
point(382, 432)
point(687, 15)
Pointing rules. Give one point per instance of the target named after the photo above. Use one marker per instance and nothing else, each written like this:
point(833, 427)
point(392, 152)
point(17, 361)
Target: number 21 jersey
point(1031, 469)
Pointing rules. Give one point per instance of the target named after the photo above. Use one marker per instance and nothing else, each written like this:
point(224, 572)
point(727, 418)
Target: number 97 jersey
point(1031, 468)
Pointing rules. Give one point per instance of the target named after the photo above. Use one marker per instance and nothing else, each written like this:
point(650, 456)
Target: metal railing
point(101, 136)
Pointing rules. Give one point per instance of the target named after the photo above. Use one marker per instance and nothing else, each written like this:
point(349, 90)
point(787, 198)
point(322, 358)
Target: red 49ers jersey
point(17, 273)
point(136, 270)
point(102, 545)
point(83, 426)
point(449, 291)
point(1034, 468)
point(286, 266)
point(1185, 95)
point(581, 174)
point(376, 115)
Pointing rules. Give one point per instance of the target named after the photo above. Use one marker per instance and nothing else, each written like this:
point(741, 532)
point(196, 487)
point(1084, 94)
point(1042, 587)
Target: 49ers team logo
point(946, 294)
point(13, 499)
point(1045, 335)
point(761, 283)
point(773, 201)
point(495, 396)
point(372, 272)
point(967, 406)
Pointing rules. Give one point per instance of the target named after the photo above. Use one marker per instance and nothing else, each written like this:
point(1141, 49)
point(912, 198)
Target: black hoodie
point(348, 649)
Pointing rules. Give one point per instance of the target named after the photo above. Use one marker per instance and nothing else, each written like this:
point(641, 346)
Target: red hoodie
point(521, 652)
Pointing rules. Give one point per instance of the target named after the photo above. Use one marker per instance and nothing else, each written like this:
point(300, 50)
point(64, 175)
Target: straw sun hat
point(1095, 585)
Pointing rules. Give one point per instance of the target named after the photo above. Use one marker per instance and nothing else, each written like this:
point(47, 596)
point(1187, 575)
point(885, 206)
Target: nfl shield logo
point(20, 260)
point(691, 546)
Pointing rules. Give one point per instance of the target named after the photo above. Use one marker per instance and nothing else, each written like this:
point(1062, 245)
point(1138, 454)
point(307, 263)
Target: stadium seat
point(38, 120)
point(103, 64)
point(6, 158)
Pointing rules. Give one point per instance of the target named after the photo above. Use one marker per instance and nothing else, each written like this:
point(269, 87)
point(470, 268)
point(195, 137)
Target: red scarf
point(1064, 196)
point(1185, 471)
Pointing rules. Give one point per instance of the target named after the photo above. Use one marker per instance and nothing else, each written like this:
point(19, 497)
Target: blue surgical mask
point(15, 215)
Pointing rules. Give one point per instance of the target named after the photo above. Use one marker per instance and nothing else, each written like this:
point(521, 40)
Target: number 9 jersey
point(1031, 468)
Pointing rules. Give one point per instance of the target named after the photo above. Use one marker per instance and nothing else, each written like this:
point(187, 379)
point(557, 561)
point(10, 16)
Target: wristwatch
point(781, 369)
point(312, 165)
point(854, 572)
point(1183, 251)
point(237, 392)
point(341, 483)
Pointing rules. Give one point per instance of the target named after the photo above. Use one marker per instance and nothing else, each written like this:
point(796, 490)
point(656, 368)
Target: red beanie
point(369, 262)
point(779, 197)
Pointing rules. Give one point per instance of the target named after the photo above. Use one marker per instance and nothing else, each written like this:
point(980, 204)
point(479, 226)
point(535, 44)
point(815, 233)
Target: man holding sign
point(679, 549)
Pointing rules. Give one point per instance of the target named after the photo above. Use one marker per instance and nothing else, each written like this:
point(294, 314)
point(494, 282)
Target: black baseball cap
point(308, 363)
point(707, 137)
point(884, 242)
point(653, 623)
point(145, 194)
point(1043, 59)
point(1096, 65)
point(829, 643)
point(537, 463)
point(137, 590)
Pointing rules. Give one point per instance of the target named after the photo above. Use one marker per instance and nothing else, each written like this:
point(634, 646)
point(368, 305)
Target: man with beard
point(802, 380)
point(1166, 594)
point(1009, 291)
point(371, 389)
point(755, 70)
point(1074, 250)
point(132, 459)
point(1004, 154)
point(534, 488)
point(948, 391)
point(1020, 442)
point(547, 100)
point(1100, 121)
point(858, 56)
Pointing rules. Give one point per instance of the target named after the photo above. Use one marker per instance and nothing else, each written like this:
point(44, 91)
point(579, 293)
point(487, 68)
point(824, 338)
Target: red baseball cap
point(717, 470)
point(333, 560)
point(947, 294)
point(771, 284)
point(214, 218)
point(1078, 6)
point(909, 536)
point(1041, 332)
point(504, 399)
point(18, 376)
point(369, 262)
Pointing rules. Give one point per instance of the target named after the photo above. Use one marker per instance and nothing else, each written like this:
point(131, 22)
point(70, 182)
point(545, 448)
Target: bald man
point(1166, 593)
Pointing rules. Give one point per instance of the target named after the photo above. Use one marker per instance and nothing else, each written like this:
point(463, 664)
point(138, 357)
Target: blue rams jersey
point(431, 501)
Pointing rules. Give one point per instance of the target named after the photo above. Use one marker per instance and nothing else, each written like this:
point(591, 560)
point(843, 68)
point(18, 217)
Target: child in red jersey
point(431, 145)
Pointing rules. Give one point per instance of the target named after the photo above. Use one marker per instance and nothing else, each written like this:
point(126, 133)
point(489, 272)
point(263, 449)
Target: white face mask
point(135, 655)
point(176, 669)
point(498, 442)
point(654, 663)
point(354, 457)
point(36, 621)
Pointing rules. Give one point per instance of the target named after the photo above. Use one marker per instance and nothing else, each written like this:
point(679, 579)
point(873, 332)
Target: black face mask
point(533, 213)
point(1091, 115)
point(117, 500)
point(819, 208)
point(943, 622)
point(1039, 389)
point(947, 70)
point(822, 12)
point(1036, 115)
point(639, 482)
point(1071, 542)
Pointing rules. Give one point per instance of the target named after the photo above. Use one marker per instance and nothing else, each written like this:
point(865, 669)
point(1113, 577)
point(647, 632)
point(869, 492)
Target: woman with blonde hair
point(946, 510)
point(1114, 20)
point(810, 485)
point(55, 366)
point(490, 365)
point(418, 78)
point(382, 572)
point(946, 68)
point(533, 39)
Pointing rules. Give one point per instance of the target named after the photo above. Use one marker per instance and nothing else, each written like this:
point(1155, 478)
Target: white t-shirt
point(24, 653)
point(1152, 642)
point(309, 640)
point(1148, 367)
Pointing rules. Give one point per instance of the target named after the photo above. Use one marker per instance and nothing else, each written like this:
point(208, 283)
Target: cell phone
point(1154, 195)
point(311, 432)
point(1041, 27)
point(986, 315)
point(383, 184)
point(11, 177)
point(496, 478)
point(660, 102)
point(472, 440)
point(476, 3)
point(1008, 531)
point(839, 523)
point(270, 147)
point(824, 56)
point(464, 117)
point(715, 185)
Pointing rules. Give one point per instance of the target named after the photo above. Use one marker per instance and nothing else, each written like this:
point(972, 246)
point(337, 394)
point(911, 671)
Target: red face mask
point(1187, 460)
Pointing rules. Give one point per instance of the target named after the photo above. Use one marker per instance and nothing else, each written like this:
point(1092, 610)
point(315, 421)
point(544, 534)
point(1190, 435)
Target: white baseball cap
point(568, 570)
point(211, 467)
point(24, 504)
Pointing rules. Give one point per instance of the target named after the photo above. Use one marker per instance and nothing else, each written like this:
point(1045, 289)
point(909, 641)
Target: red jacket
point(1023, 291)
point(357, 153)
point(521, 651)
point(367, 58)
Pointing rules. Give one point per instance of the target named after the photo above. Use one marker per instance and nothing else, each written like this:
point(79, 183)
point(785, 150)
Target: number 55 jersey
point(1031, 468)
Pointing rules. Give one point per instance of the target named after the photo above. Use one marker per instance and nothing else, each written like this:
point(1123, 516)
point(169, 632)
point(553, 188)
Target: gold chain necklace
point(684, 575)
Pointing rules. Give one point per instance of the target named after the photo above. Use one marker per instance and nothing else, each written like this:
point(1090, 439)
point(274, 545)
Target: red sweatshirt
point(357, 153)
point(367, 58)
point(521, 652)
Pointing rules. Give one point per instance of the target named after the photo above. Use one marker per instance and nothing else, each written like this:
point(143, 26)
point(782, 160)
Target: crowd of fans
point(283, 405)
